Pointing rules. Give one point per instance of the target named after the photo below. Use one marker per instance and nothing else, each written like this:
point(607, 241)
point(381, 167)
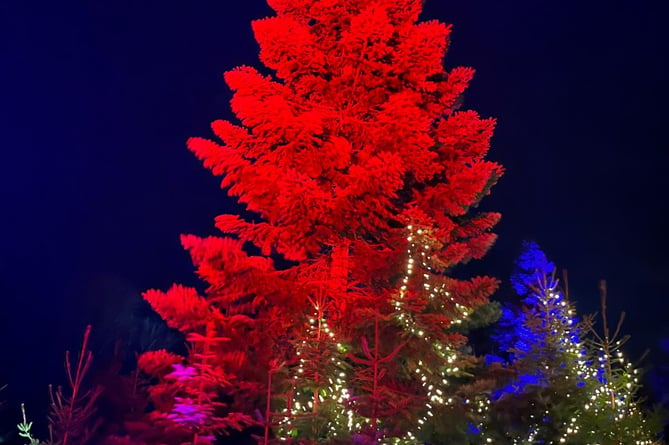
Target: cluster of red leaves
point(356, 136)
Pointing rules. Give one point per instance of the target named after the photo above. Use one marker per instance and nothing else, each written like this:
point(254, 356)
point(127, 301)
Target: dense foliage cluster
point(351, 157)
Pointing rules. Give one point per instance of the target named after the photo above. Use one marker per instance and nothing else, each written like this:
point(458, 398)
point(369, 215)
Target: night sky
point(98, 99)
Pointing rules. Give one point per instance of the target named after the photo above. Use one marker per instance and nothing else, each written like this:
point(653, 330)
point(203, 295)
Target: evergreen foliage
point(569, 384)
point(362, 178)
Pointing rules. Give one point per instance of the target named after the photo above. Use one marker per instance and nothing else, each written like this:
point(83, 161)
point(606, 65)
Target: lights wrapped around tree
point(569, 384)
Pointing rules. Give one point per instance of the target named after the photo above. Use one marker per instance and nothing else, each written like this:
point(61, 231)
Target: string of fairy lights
point(433, 384)
point(560, 322)
point(419, 256)
point(606, 390)
point(335, 390)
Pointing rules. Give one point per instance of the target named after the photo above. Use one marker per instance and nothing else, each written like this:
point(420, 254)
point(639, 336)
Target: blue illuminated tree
point(544, 349)
point(569, 384)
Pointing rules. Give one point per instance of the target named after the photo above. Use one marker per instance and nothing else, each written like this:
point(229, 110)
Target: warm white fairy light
point(603, 393)
point(336, 390)
point(419, 255)
point(434, 385)
point(561, 323)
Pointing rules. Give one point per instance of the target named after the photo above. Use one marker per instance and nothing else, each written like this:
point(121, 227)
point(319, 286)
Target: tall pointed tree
point(352, 145)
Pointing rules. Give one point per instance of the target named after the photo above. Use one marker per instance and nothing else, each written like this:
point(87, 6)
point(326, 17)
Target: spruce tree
point(569, 384)
point(329, 313)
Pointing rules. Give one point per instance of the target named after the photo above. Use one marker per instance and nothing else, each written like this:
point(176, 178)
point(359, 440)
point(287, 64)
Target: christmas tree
point(613, 413)
point(570, 384)
point(329, 315)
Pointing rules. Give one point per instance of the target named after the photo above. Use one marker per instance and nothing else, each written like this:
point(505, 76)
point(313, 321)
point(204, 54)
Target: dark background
point(98, 98)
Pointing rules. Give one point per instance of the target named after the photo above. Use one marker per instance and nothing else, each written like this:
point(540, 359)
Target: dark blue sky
point(98, 99)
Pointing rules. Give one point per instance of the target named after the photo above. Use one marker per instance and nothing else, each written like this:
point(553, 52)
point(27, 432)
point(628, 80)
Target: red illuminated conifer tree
point(330, 312)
